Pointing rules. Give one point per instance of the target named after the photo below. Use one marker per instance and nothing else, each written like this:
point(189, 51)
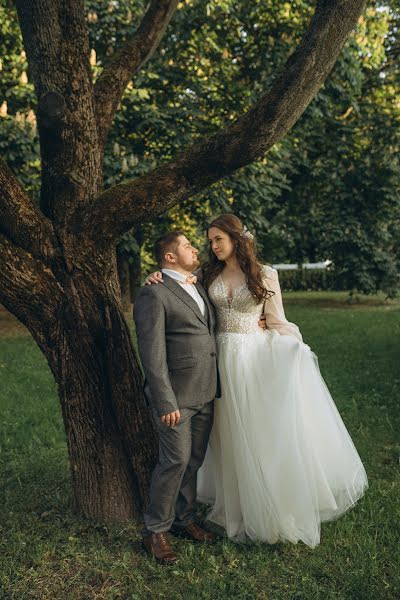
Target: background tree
point(343, 199)
point(58, 271)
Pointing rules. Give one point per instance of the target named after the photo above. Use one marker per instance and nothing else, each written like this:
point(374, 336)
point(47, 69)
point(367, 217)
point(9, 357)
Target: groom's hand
point(171, 419)
point(153, 278)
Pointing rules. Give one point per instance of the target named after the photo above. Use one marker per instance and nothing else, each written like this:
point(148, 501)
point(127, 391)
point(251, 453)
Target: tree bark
point(75, 316)
point(111, 441)
point(21, 222)
point(56, 42)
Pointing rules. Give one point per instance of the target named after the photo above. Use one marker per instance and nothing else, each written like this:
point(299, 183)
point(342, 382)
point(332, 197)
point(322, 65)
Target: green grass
point(46, 552)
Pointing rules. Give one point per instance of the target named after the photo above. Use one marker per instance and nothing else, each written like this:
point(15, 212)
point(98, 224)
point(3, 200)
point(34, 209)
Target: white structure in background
point(290, 267)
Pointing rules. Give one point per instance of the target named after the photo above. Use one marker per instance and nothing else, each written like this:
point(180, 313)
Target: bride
point(280, 460)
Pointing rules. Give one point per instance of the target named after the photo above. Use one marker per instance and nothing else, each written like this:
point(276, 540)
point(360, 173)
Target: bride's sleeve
point(274, 312)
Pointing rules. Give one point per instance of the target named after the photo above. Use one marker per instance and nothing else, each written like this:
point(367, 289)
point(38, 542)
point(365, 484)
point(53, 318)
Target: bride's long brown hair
point(245, 253)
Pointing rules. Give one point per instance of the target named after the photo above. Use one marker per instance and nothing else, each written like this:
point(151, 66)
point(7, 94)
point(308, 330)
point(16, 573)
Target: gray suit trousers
point(174, 480)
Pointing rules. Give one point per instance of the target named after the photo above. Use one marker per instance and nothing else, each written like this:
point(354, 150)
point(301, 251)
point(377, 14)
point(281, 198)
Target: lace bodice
point(241, 313)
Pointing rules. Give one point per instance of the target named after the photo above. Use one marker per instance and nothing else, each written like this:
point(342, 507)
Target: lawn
point(48, 553)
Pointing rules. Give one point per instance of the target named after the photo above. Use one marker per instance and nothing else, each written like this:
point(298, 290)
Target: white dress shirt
point(190, 288)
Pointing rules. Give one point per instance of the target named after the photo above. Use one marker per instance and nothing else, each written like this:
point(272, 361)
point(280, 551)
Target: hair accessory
point(246, 233)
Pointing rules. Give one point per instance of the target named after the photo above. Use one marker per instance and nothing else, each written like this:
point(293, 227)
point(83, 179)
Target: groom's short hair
point(166, 243)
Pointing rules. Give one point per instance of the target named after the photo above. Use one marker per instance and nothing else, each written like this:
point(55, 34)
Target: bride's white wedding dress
point(280, 460)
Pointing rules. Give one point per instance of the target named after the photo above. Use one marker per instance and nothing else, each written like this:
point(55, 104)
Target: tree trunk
point(110, 436)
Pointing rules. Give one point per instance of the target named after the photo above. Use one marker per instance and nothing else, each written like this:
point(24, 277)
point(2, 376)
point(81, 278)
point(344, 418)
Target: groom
point(175, 331)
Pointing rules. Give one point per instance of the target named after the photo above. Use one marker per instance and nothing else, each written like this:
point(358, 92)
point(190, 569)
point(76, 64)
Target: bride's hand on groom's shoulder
point(153, 278)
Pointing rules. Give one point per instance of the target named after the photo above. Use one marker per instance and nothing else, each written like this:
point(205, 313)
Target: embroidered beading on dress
point(240, 314)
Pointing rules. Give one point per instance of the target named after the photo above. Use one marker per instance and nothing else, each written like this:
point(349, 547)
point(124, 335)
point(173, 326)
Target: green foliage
point(48, 553)
point(19, 144)
point(343, 197)
point(14, 88)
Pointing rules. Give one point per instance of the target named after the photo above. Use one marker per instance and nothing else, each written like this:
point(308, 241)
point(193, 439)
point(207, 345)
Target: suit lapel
point(184, 296)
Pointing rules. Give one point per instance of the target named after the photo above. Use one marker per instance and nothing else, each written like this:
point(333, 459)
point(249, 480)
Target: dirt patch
point(10, 326)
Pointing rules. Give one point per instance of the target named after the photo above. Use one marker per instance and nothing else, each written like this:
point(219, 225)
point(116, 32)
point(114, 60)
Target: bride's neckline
point(234, 290)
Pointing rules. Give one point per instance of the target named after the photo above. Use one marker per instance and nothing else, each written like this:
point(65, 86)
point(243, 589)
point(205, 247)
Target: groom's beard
point(191, 266)
point(196, 264)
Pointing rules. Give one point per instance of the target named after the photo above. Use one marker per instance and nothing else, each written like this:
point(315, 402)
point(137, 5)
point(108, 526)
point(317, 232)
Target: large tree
point(58, 271)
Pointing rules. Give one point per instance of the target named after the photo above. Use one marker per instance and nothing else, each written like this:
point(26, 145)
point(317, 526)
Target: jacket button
point(213, 354)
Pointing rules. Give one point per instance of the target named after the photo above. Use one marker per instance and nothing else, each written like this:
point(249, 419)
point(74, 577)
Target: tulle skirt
point(280, 460)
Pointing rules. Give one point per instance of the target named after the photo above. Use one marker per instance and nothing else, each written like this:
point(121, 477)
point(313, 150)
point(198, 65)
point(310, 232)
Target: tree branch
point(20, 220)
point(120, 207)
point(28, 289)
point(137, 50)
point(56, 41)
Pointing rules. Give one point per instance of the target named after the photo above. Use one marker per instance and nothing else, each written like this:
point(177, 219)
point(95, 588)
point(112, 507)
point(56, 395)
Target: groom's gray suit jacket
point(176, 346)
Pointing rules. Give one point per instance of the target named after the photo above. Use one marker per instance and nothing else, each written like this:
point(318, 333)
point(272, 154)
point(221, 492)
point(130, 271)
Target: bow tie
point(190, 279)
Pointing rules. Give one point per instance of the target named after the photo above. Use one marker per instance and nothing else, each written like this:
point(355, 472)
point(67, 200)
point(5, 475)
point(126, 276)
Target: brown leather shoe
point(195, 533)
point(158, 545)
